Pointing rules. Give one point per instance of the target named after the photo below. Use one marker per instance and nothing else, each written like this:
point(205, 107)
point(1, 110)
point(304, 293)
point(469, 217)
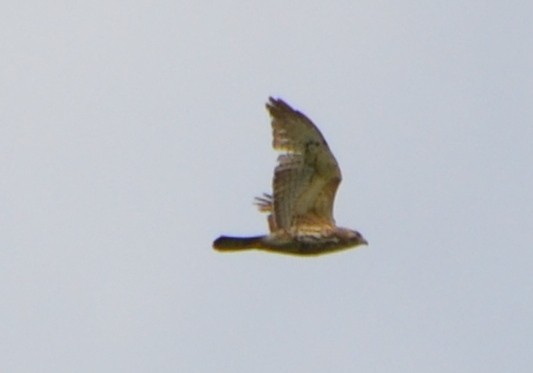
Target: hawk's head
point(350, 238)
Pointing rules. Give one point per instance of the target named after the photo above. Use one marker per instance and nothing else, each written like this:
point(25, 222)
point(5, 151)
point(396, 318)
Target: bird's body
point(304, 186)
point(296, 244)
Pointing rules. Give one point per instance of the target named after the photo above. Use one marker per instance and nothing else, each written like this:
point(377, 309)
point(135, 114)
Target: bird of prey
point(304, 186)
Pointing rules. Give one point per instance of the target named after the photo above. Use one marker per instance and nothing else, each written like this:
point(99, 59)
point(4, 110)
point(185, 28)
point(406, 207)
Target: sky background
point(133, 133)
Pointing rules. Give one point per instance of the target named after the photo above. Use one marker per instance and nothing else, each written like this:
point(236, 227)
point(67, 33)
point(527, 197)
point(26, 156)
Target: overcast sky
point(133, 133)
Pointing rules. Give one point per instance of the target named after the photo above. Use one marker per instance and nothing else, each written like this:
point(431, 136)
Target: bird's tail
point(225, 243)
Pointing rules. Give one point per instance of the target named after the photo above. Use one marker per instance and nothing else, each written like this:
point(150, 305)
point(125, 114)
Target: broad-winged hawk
point(304, 186)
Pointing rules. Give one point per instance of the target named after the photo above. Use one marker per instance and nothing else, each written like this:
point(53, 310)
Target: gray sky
point(134, 133)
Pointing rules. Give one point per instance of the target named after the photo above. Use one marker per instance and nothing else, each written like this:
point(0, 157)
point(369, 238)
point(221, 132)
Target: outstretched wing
point(307, 175)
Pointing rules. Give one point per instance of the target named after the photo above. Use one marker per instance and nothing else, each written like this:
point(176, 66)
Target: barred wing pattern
point(305, 181)
point(306, 177)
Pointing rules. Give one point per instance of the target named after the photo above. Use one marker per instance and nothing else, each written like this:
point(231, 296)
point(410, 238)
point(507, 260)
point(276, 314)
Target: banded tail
point(226, 243)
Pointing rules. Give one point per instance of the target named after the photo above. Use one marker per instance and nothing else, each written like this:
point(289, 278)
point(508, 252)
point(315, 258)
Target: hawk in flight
point(304, 186)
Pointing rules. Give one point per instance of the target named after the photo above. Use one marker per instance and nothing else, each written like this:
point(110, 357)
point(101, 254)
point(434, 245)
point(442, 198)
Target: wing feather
point(307, 175)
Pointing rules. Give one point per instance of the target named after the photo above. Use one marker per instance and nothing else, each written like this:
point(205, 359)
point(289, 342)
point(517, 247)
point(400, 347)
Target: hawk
point(306, 179)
